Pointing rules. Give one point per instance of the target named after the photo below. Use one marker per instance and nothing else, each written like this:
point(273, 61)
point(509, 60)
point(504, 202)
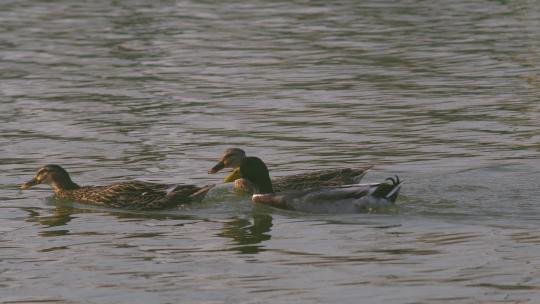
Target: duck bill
point(29, 184)
point(219, 166)
point(235, 174)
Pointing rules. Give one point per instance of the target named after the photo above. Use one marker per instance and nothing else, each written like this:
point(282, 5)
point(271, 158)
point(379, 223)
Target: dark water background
point(444, 93)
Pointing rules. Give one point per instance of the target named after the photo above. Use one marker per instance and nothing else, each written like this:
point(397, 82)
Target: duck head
point(231, 158)
point(53, 175)
point(252, 169)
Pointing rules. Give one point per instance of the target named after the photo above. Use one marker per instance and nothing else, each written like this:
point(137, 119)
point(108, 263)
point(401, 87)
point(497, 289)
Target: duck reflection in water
point(248, 235)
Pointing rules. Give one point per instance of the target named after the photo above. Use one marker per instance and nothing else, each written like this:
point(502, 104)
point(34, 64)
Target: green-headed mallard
point(128, 195)
point(235, 157)
point(318, 198)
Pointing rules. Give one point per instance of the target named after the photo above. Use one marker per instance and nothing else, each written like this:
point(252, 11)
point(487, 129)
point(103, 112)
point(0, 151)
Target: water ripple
point(444, 94)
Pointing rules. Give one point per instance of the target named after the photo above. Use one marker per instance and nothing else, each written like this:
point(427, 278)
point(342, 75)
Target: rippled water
point(444, 93)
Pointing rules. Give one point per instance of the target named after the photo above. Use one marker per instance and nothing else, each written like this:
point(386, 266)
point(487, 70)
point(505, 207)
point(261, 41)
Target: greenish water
point(446, 94)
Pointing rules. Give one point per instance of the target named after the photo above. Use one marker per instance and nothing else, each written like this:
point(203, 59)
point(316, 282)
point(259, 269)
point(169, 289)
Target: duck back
point(132, 195)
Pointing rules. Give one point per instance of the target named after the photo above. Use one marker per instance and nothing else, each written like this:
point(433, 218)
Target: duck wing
point(136, 195)
point(321, 178)
point(326, 195)
point(341, 199)
point(314, 199)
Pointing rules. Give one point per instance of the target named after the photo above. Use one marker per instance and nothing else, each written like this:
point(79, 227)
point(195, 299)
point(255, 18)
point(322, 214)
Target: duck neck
point(254, 170)
point(63, 185)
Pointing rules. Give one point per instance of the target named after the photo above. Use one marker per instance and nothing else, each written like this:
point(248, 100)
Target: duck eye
point(42, 173)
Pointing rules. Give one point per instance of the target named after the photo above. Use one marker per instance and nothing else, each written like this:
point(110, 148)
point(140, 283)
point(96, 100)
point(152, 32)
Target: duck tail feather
point(389, 191)
point(358, 178)
point(395, 190)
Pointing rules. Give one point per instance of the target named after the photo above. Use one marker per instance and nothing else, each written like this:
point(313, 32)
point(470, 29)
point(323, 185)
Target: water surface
point(444, 94)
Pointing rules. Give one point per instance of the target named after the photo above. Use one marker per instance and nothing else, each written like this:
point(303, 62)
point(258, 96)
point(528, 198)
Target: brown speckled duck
point(236, 159)
point(127, 195)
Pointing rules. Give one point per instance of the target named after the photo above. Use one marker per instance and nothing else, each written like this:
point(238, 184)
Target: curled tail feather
point(389, 191)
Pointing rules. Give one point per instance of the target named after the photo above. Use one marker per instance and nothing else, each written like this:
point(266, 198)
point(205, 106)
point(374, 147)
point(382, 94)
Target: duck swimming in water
point(338, 199)
point(128, 195)
point(236, 159)
point(315, 198)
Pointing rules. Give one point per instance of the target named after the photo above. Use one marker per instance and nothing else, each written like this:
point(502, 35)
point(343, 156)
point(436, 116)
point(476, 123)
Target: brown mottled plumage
point(322, 178)
point(234, 158)
point(128, 195)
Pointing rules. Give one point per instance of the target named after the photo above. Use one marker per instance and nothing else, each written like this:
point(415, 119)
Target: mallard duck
point(319, 198)
point(235, 157)
point(337, 199)
point(128, 195)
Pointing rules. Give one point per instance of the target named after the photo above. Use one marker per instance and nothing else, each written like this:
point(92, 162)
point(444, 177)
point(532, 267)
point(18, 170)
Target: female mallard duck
point(320, 198)
point(235, 157)
point(129, 195)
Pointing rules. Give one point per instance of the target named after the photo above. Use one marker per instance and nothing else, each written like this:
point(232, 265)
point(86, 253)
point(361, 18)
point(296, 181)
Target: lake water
point(446, 94)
